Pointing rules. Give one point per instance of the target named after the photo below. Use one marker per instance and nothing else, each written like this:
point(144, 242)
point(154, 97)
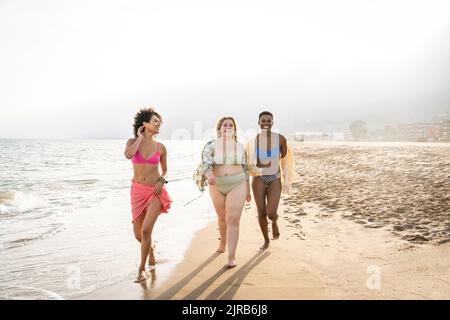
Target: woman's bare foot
point(231, 265)
point(151, 256)
point(265, 245)
point(222, 246)
point(142, 276)
point(275, 231)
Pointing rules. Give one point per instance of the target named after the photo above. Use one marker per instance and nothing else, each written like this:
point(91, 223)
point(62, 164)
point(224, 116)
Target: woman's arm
point(133, 144)
point(163, 162)
point(208, 161)
point(203, 174)
point(132, 147)
point(245, 165)
point(283, 146)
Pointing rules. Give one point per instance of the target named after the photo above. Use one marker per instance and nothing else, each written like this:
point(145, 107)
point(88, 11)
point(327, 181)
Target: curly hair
point(144, 115)
point(221, 121)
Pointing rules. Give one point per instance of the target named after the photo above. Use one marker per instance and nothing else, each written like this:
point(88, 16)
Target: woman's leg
point(273, 199)
point(218, 200)
point(153, 211)
point(234, 203)
point(259, 193)
point(137, 227)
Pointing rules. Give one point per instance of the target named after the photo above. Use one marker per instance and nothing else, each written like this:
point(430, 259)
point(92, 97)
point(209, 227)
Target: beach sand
point(364, 222)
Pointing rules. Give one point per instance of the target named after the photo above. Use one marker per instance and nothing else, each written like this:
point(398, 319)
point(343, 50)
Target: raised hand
point(140, 132)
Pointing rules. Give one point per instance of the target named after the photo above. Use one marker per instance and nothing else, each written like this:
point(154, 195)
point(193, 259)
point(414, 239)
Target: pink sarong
point(142, 195)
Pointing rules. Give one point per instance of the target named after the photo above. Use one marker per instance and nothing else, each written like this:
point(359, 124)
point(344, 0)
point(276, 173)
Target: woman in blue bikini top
point(267, 184)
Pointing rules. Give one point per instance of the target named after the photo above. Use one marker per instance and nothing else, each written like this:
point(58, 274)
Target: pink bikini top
point(139, 159)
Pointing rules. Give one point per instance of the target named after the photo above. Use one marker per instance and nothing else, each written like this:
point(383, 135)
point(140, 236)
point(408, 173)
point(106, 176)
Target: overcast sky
point(81, 69)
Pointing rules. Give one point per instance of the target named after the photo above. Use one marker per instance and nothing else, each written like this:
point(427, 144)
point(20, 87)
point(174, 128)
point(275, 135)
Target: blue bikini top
point(267, 154)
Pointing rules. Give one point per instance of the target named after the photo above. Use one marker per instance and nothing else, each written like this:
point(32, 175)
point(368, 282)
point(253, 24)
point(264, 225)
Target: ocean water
point(65, 215)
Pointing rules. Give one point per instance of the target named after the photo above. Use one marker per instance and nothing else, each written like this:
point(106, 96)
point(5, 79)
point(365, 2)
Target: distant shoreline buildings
point(437, 130)
point(434, 131)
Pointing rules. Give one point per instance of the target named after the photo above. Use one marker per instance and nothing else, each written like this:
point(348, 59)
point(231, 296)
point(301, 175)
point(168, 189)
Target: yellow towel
point(288, 174)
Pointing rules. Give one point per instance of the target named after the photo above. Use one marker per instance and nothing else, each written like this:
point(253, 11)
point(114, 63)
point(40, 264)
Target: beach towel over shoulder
point(288, 174)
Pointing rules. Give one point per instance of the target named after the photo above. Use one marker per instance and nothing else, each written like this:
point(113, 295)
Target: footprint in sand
point(373, 226)
point(398, 228)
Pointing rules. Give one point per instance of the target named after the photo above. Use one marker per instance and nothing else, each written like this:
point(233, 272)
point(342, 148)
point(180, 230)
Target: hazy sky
point(77, 69)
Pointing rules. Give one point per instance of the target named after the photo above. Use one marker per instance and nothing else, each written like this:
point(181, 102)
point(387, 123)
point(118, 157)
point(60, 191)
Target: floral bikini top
point(215, 154)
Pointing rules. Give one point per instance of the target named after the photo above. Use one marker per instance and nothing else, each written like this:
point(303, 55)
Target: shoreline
point(202, 275)
point(310, 261)
point(157, 280)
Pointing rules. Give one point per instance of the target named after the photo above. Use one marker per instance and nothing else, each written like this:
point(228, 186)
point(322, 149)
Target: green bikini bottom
point(227, 183)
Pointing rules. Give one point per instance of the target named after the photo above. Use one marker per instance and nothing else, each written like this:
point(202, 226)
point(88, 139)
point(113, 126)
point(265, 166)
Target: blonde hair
point(219, 125)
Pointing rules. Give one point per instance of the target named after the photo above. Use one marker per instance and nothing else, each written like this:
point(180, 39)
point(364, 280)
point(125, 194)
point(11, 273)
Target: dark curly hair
point(144, 115)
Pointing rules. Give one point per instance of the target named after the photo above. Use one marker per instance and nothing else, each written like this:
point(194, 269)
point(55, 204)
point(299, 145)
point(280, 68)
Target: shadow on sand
point(173, 290)
point(229, 287)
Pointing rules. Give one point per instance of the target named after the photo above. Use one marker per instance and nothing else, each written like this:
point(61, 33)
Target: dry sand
point(397, 249)
point(404, 187)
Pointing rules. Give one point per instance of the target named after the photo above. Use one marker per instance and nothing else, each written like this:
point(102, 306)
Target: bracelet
point(163, 179)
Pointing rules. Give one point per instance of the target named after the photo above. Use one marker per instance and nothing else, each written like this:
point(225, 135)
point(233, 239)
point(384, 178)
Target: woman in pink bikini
point(149, 196)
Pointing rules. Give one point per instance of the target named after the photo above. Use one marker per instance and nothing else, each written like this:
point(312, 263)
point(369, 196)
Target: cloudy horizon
point(82, 69)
